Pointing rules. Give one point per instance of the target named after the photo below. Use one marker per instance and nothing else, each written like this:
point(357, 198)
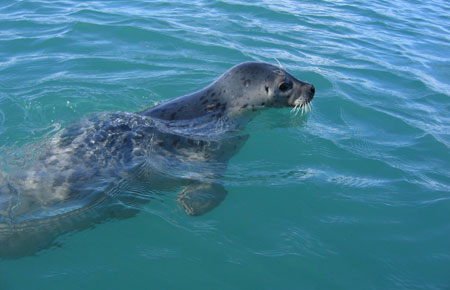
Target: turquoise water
point(353, 195)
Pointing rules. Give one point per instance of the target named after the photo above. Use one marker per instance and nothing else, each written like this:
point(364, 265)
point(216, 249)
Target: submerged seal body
point(185, 142)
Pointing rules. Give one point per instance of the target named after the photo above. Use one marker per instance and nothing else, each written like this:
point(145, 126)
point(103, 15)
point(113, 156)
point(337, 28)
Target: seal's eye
point(284, 87)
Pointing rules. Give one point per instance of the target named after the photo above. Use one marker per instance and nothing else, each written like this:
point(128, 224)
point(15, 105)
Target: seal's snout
point(308, 91)
point(313, 91)
point(303, 97)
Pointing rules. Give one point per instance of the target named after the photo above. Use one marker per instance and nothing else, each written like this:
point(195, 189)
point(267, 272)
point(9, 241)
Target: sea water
point(353, 195)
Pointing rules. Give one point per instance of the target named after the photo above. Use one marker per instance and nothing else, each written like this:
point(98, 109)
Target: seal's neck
point(211, 102)
point(197, 110)
point(182, 108)
point(218, 103)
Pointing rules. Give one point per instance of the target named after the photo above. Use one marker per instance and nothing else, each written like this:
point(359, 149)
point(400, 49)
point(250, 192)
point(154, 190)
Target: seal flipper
point(199, 198)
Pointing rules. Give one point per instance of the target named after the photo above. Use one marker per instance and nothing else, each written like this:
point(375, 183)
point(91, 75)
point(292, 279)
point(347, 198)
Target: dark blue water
point(353, 195)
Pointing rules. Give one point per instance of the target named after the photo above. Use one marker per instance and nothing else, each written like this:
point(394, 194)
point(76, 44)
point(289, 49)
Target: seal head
point(264, 85)
point(244, 88)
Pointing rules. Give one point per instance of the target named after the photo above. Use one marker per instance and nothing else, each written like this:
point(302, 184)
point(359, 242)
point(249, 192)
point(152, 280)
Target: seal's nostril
point(313, 90)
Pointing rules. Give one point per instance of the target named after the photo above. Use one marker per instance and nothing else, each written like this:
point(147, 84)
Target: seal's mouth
point(303, 106)
point(303, 102)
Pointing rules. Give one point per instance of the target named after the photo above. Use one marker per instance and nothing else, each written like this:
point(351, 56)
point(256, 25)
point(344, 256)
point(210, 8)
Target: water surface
point(354, 195)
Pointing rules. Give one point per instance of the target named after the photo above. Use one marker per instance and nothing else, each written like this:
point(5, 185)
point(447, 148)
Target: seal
point(83, 173)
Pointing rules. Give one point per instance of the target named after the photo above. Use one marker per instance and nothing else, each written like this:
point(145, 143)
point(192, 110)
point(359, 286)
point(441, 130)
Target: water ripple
point(361, 182)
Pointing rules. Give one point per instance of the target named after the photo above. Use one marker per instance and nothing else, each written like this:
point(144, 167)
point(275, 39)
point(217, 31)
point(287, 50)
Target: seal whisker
point(293, 109)
point(279, 63)
point(296, 109)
